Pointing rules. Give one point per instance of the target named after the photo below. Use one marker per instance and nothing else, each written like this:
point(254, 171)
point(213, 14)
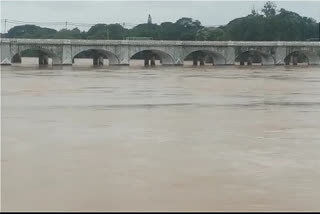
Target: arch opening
point(151, 58)
point(253, 57)
point(34, 56)
point(297, 58)
point(97, 57)
point(204, 57)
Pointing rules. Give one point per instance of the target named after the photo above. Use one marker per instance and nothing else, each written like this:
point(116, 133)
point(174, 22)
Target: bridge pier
point(98, 60)
point(43, 60)
point(146, 62)
point(150, 61)
point(291, 59)
point(287, 62)
point(294, 60)
point(16, 58)
point(209, 59)
point(95, 60)
point(194, 60)
point(249, 62)
point(201, 60)
point(153, 61)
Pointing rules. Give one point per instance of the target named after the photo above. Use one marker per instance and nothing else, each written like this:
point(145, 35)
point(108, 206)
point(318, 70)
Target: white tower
point(149, 19)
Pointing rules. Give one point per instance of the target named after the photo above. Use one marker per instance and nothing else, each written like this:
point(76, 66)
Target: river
point(212, 138)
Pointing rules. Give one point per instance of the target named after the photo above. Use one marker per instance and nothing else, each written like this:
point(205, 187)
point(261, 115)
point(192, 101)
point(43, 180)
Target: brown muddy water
point(157, 139)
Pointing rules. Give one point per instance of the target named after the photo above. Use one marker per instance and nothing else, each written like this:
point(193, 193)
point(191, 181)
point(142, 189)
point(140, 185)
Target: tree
point(254, 12)
point(269, 9)
point(98, 31)
point(145, 30)
point(187, 28)
point(210, 34)
point(70, 34)
point(169, 31)
point(291, 26)
point(31, 31)
point(116, 31)
point(271, 26)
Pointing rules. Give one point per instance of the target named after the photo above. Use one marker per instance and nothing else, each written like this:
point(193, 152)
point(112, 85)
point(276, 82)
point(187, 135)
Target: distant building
point(149, 19)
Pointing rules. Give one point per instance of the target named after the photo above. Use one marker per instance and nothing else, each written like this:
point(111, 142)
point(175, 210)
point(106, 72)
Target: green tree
point(188, 28)
point(291, 26)
point(98, 31)
point(31, 31)
point(169, 31)
point(116, 31)
point(70, 34)
point(271, 26)
point(245, 28)
point(269, 9)
point(210, 34)
point(145, 30)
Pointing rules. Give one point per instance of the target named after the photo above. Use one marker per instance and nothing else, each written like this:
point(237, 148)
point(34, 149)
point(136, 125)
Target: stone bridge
point(119, 52)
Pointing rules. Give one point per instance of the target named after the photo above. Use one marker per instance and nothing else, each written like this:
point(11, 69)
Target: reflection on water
point(163, 138)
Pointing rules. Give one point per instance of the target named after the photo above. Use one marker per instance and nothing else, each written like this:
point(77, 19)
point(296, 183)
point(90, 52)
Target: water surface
point(155, 139)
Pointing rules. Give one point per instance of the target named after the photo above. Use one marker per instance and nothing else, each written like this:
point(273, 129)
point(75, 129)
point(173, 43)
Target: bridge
point(120, 52)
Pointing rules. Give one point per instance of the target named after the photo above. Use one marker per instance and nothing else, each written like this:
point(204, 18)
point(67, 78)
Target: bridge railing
point(161, 42)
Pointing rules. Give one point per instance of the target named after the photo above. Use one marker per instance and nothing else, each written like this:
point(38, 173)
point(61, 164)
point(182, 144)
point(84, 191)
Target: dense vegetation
point(268, 25)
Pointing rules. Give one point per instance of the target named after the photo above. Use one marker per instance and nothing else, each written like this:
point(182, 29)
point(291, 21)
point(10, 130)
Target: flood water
point(220, 138)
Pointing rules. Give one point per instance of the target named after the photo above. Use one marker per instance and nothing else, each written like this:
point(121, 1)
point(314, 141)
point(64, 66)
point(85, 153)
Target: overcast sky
point(209, 13)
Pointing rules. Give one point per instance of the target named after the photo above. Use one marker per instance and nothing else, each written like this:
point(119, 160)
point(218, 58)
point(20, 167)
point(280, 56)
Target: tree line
point(269, 24)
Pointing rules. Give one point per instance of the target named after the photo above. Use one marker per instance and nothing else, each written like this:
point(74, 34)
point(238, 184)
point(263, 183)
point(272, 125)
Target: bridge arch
point(152, 54)
point(35, 51)
point(205, 56)
point(255, 56)
point(98, 54)
point(296, 57)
